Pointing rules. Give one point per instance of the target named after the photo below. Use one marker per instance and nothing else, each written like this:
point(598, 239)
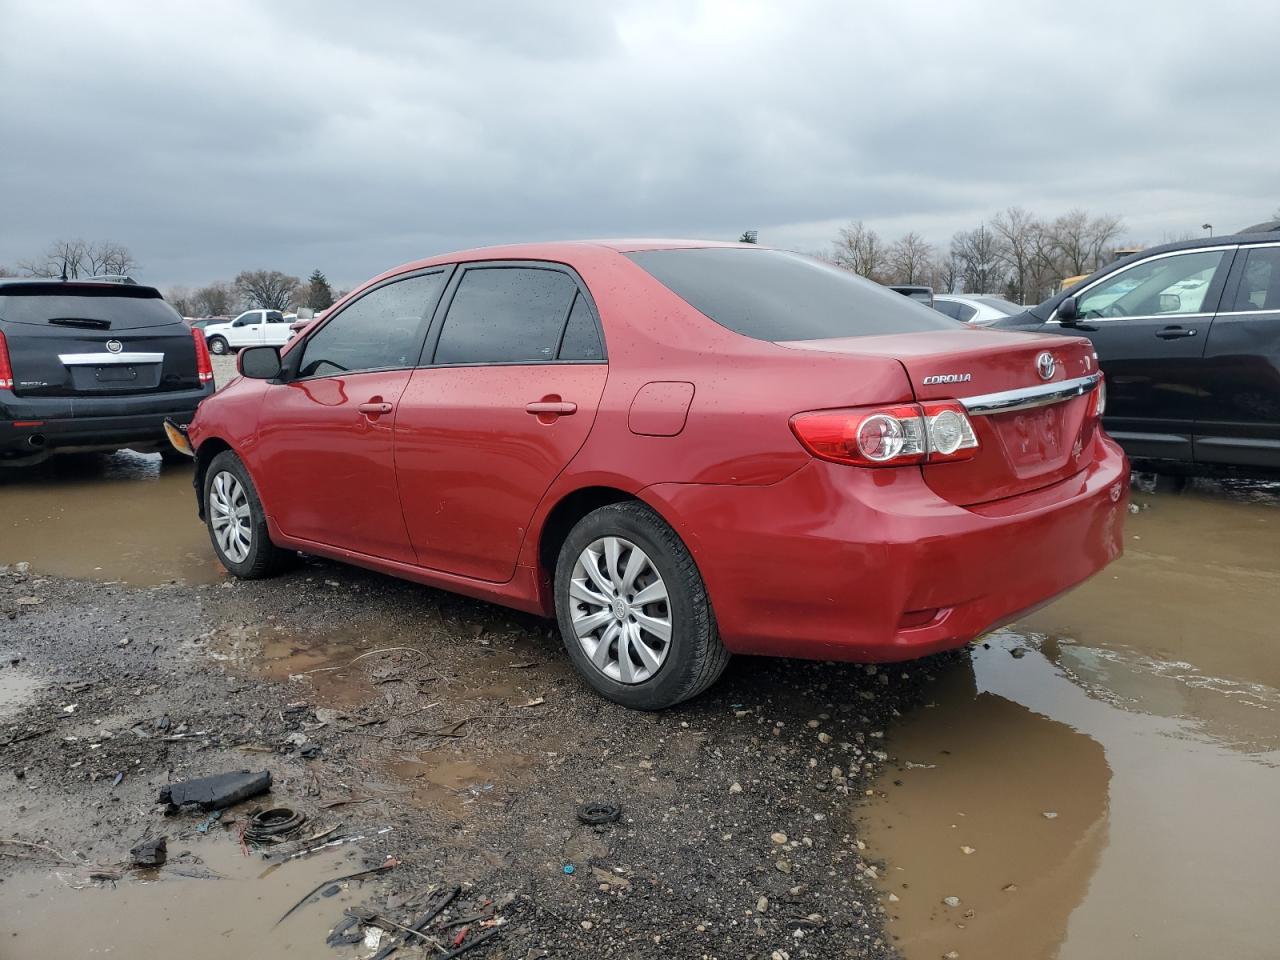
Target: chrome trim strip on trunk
point(1028, 398)
point(107, 359)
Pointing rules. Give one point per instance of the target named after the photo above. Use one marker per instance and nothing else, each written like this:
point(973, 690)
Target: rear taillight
point(1098, 404)
point(204, 365)
point(6, 368)
point(938, 431)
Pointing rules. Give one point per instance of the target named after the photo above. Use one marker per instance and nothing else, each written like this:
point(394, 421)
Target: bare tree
point(268, 289)
point(1019, 233)
point(945, 273)
point(1082, 242)
point(981, 257)
point(182, 300)
point(215, 300)
point(861, 250)
point(910, 259)
point(109, 257)
point(62, 258)
point(6, 272)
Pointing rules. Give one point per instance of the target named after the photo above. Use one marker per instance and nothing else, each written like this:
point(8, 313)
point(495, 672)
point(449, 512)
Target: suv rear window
point(119, 306)
point(772, 295)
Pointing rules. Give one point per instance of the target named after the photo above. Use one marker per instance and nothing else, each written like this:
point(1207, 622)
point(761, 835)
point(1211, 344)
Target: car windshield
point(772, 295)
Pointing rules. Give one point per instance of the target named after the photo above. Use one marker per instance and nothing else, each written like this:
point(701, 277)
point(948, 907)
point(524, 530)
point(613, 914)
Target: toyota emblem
point(1046, 366)
point(114, 346)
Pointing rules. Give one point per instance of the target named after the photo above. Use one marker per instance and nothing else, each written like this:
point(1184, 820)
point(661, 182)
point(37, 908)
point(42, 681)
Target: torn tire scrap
point(273, 825)
point(597, 812)
point(216, 792)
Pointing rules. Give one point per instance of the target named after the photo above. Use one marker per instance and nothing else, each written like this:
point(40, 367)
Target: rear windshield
point(122, 307)
point(772, 295)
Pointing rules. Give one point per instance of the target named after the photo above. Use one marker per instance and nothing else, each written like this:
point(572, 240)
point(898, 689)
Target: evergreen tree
point(319, 295)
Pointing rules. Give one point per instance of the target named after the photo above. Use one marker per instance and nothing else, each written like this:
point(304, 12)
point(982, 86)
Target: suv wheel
point(219, 345)
point(633, 611)
point(237, 523)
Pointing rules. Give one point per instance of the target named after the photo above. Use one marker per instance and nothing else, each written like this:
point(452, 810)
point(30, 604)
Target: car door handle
point(553, 408)
point(373, 409)
point(1175, 333)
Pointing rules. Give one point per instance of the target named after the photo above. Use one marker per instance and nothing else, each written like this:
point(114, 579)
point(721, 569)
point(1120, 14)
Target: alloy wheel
point(620, 610)
point(229, 516)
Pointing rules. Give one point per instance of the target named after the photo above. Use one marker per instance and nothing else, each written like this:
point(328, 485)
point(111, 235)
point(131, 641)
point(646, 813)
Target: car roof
point(16, 285)
point(1225, 240)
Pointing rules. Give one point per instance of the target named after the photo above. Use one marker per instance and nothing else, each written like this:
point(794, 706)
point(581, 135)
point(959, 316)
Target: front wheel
point(237, 523)
point(633, 611)
point(219, 346)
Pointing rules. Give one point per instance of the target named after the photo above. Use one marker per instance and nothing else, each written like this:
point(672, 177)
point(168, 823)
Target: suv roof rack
point(111, 278)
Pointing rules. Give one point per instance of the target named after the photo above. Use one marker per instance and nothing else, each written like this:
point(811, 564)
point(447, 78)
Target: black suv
point(93, 366)
point(1188, 335)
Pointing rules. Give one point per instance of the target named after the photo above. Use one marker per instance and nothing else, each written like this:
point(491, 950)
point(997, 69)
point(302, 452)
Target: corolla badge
point(948, 378)
point(114, 346)
point(1046, 366)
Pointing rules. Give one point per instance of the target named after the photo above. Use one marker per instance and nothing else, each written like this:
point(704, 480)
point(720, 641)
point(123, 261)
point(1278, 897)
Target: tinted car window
point(949, 307)
point(119, 308)
point(771, 295)
point(505, 315)
point(1156, 287)
point(965, 313)
point(380, 331)
point(1260, 284)
point(581, 337)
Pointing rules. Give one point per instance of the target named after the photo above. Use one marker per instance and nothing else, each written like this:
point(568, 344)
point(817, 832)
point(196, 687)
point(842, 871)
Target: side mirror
point(259, 363)
point(1068, 311)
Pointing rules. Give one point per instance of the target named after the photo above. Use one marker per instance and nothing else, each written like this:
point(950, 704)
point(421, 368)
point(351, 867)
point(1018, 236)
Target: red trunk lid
point(1020, 450)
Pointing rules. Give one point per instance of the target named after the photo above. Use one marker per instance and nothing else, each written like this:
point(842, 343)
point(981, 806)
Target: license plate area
point(1040, 440)
point(115, 374)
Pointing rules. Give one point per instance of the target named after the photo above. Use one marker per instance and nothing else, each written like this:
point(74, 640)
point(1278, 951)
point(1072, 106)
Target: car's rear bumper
point(840, 563)
point(29, 425)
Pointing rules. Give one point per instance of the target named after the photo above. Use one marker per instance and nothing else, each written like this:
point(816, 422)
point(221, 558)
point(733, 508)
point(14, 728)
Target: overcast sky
point(213, 137)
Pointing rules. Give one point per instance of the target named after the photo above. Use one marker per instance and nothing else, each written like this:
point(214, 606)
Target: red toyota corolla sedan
point(679, 450)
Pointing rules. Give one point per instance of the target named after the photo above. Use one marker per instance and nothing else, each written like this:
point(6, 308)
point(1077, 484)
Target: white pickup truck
point(253, 328)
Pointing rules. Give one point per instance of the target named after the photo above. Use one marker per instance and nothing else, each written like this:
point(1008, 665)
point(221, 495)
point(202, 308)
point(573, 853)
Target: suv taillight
point(937, 431)
point(6, 368)
point(204, 366)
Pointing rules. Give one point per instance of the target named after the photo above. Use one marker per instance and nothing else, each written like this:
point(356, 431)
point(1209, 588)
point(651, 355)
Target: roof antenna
point(64, 270)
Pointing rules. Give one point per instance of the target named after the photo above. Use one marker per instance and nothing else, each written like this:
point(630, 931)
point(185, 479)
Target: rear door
point(516, 370)
point(324, 457)
point(275, 332)
point(1239, 421)
point(94, 340)
point(1149, 323)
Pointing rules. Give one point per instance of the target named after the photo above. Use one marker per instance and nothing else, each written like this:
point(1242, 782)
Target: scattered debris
point(216, 792)
point(272, 826)
point(358, 875)
point(1050, 815)
point(149, 852)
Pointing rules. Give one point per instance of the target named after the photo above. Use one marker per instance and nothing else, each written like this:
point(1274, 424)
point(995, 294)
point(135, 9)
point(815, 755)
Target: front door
point(1149, 324)
point(325, 447)
point(1240, 418)
point(509, 399)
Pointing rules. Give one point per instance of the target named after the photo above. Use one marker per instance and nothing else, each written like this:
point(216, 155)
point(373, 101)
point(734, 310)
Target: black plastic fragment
point(216, 792)
point(150, 852)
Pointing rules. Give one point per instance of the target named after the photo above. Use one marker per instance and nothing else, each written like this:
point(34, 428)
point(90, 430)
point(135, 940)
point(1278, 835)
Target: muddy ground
point(1097, 781)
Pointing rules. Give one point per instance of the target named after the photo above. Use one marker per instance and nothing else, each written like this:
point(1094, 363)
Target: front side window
point(506, 315)
point(1260, 282)
point(1163, 286)
point(380, 331)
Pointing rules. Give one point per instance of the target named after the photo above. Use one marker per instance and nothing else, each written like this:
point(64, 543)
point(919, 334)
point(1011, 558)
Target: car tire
point(219, 346)
point(246, 551)
point(618, 644)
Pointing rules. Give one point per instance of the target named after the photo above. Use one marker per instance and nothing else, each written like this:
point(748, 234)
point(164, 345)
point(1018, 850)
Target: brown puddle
point(118, 517)
point(1145, 716)
point(226, 910)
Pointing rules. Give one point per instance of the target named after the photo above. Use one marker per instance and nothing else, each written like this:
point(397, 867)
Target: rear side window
point(1260, 283)
point(949, 307)
point(581, 337)
point(506, 315)
point(380, 331)
point(113, 308)
point(772, 295)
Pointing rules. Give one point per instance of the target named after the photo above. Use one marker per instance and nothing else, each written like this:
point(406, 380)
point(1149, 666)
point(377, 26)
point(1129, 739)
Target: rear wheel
point(237, 523)
point(633, 611)
point(219, 345)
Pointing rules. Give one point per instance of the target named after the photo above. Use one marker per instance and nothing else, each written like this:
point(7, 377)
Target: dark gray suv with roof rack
point(1188, 336)
point(93, 365)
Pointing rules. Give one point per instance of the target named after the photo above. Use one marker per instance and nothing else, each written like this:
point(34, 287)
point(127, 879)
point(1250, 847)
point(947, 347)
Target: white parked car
point(978, 309)
point(253, 328)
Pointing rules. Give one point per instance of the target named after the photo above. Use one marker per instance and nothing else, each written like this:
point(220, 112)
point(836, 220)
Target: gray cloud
point(352, 137)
